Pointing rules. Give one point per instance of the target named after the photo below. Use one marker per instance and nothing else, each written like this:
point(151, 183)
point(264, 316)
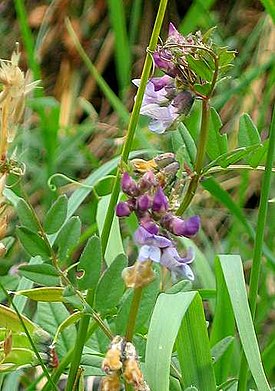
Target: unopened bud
point(183, 102)
point(164, 159)
point(186, 228)
point(147, 181)
point(123, 209)
point(160, 202)
point(144, 202)
point(128, 185)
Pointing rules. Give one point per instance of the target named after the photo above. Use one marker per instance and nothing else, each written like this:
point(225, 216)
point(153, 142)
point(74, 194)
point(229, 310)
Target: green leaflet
point(56, 215)
point(216, 142)
point(111, 285)
point(90, 263)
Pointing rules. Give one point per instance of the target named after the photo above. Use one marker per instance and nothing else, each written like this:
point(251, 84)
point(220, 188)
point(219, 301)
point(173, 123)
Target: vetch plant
point(132, 302)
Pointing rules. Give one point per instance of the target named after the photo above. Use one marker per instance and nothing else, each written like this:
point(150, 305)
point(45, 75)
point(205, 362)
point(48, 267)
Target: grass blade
point(179, 311)
point(231, 266)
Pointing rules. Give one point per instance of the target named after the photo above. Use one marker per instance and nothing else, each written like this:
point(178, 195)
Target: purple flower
point(180, 266)
point(123, 209)
point(150, 226)
point(144, 202)
point(160, 201)
point(186, 228)
point(128, 185)
point(159, 249)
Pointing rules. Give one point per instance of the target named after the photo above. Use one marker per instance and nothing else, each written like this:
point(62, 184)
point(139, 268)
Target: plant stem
point(132, 124)
point(45, 370)
point(79, 344)
point(133, 314)
point(67, 359)
point(199, 159)
point(84, 323)
point(259, 239)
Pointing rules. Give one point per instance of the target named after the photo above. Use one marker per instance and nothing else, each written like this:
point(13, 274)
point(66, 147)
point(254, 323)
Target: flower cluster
point(164, 102)
point(121, 358)
point(189, 64)
point(157, 226)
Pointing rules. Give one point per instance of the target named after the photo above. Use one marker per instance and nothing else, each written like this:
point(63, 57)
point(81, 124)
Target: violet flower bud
point(149, 225)
point(163, 61)
point(147, 181)
point(160, 201)
point(128, 185)
point(186, 228)
point(123, 209)
point(144, 202)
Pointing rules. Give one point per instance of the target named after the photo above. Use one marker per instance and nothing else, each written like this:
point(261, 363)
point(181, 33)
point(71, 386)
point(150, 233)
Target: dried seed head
point(110, 383)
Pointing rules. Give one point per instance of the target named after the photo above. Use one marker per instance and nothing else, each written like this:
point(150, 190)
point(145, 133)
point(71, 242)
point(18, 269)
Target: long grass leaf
point(122, 49)
point(171, 313)
point(231, 266)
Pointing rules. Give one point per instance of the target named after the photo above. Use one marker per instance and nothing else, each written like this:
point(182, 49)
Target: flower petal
point(149, 253)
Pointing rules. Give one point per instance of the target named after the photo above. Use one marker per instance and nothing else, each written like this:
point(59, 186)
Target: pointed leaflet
point(248, 133)
point(27, 216)
point(56, 215)
point(249, 136)
point(44, 274)
point(48, 294)
point(111, 285)
point(181, 138)
point(32, 243)
point(216, 142)
point(175, 315)
point(68, 237)
point(231, 266)
point(90, 264)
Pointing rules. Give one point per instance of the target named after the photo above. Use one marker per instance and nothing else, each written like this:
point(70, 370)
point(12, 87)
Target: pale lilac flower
point(171, 259)
point(159, 249)
point(163, 104)
point(151, 245)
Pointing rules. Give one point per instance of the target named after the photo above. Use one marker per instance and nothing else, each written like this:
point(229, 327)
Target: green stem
point(132, 124)
point(84, 323)
point(259, 239)
point(133, 314)
point(67, 359)
point(45, 370)
point(79, 344)
point(199, 159)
